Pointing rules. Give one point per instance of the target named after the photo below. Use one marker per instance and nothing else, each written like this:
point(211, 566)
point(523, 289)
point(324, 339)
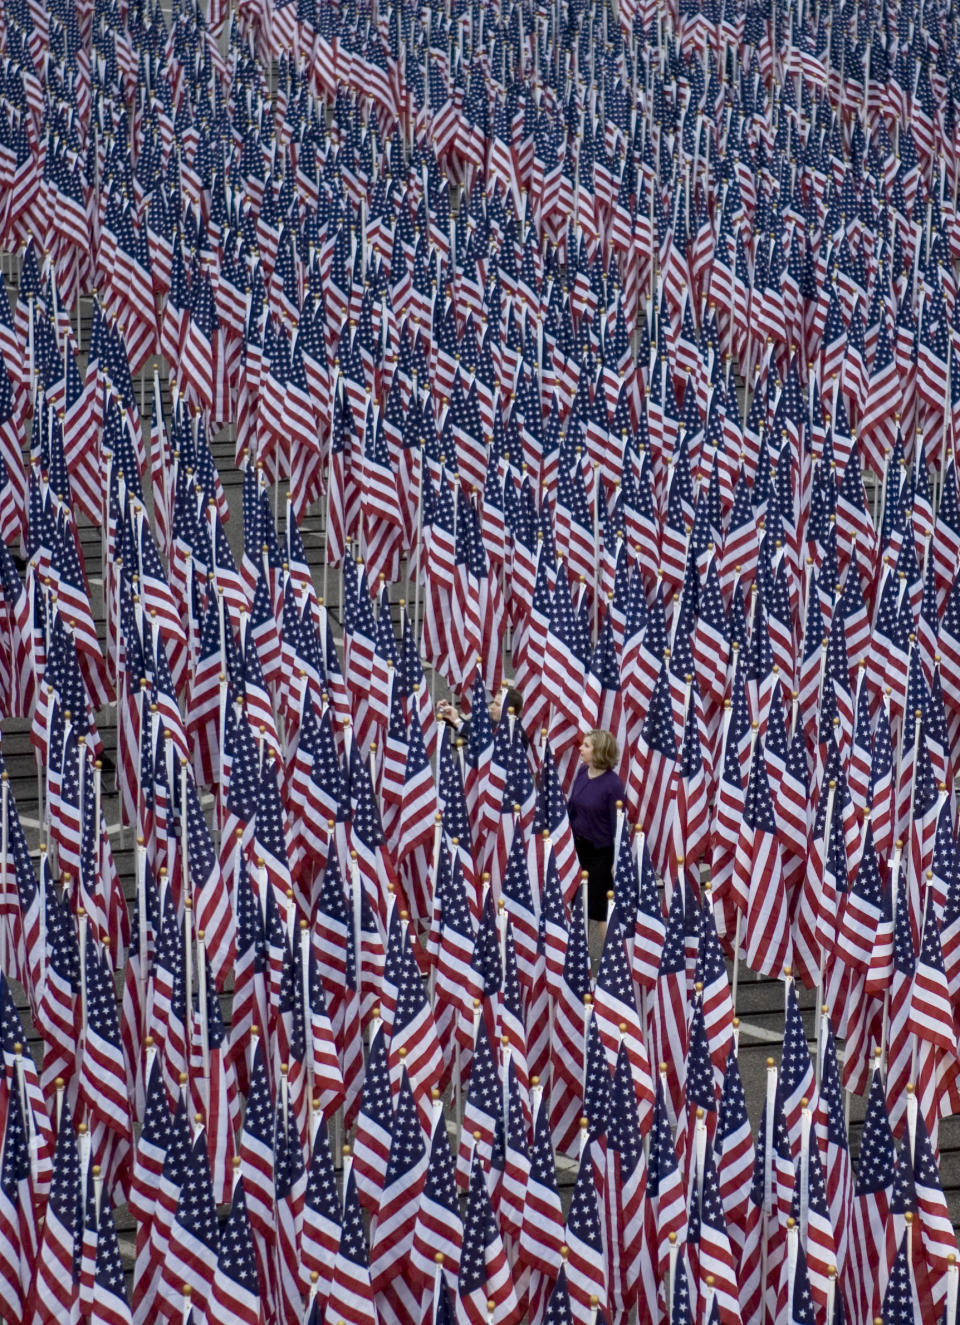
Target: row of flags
point(332, 1049)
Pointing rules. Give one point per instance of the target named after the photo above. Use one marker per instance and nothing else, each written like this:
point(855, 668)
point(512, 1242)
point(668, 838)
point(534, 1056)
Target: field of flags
point(616, 352)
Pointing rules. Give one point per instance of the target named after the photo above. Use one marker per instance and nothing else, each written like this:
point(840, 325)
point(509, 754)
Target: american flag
point(872, 1249)
point(110, 1292)
point(570, 1015)
point(654, 771)
point(935, 1228)
point(618, 1021)
point(517, 895)
point(900, 1304)
point(372, 1139)
point(711, 975)
point(250, 973)
point(414, 1047)
point(58, 1269)
point(455, 980)
point(212, 905)
point(148, 1164)
point(596, 1086)
point(649, 928)
point(625, 1178)
point(258, 1158)
point(866, 929)
point(541, 1236)
point(236, 1287)
point(690, 834)
point(931, 1022)
point(559, 1311)
point(802, 1306)
point(350, 1288)
point(103, 1080)
point(483, 1111)
point(174, 1174)
point(586, 1279)
point(323, 1067)
point(796, 1081)
point(899, 1047)
point(715, 1255)
point(191, 1255)
point(758, 876)
point(551, 817)
point(820, 1243)
point(393, 1226)
point(289, 1185)
point(831, 1134)
point(671, 1004)
point(665, 1208)
point(733, 1142)
point(321, 1215)
point(485, 1276)
point(511, 1191)
point(438, 1227)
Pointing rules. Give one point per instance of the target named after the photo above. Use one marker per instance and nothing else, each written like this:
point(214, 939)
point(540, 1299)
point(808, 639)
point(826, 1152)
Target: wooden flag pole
point(894, 887)
point(771, 1099)
point(4, 855)
point(356, 901)
point(827, 830)
point(419, 537)
point(202, 1010)
point(82, 923)
point(83, 1149)
point(951, 1276)
point(188, 961)
point(673, 1250)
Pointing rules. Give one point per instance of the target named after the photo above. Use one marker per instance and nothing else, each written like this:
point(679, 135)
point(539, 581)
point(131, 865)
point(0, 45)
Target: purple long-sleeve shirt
point(593, 806)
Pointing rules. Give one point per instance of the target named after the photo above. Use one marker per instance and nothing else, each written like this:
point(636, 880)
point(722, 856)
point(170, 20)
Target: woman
point(593, 816)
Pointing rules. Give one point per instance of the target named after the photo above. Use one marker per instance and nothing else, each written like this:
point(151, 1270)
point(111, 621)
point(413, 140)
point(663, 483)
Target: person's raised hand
point(447, 712)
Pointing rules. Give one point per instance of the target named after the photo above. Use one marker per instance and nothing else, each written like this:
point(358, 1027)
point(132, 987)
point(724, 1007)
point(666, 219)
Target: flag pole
point(326, 525)
point(437, 1284)
point(26, 1107)
point(771, 1099)
point(806, 1120)
point(673, 1251)
point(908, 1220)
point(202, 1007)
point(82, 944)
point(140, 865)
point(597, 492)
point(894, 881)
point(31, 357)
point(947, 415)
point(4, 851)
point(792, 1252)
point(419, 539)
point(97, 804)
point(755, 728)
point(505, 1059)
point(827, 832)
point(951, 1276)
point(188, 962)
point(60, 1087)
point(81, 789)
point(356, 910)
point(831, 1293)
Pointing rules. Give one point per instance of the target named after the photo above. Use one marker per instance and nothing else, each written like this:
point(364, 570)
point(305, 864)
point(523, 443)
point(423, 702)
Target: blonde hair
point(606, 752)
